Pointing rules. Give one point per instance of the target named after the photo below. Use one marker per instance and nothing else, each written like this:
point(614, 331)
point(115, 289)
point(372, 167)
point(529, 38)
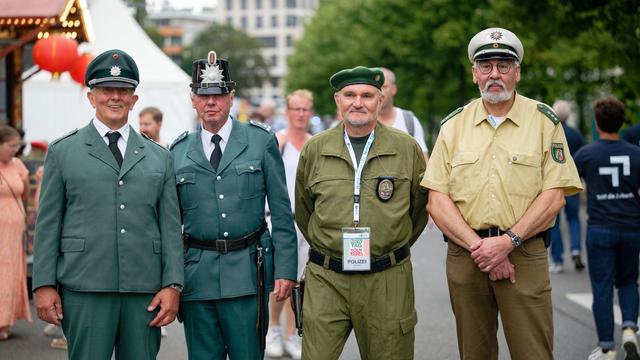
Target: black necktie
point(113, 146)
point(216, 155)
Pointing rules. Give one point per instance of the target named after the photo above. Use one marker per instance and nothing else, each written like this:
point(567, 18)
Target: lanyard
point(359, 167)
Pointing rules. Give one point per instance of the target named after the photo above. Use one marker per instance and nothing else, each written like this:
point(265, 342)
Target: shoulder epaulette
point(261, 125)
point(150, 139)
point(453, 113)
point(178, 139)
point(64, 136)
point(548, 112)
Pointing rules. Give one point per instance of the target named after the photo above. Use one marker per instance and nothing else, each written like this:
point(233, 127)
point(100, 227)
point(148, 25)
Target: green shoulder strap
point(453, 113)
point(548, 112)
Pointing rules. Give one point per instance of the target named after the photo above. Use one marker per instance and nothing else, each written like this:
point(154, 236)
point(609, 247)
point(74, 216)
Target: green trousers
point(215, 329)
point(379, 307)
point(524, 307)
point(95, 323)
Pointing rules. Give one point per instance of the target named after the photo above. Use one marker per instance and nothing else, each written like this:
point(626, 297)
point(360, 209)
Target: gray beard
point(493, 98)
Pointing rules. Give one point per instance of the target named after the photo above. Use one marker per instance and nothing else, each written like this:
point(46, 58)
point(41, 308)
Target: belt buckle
point(222, 248)
point(494, 232)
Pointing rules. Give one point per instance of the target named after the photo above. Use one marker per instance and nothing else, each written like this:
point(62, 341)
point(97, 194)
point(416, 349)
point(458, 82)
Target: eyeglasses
point(502, 66)
point(304, 110)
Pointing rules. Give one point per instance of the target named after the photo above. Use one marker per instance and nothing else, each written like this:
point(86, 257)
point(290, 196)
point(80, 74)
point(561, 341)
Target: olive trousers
point(379, 307)
point(524, 307)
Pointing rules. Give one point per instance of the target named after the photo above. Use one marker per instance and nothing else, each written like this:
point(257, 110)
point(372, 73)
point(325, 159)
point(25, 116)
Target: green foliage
point(574, 49)
point(247, 66)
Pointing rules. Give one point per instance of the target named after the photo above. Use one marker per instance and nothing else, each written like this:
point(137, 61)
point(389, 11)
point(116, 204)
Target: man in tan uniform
point(360, 206)
point(497, 177)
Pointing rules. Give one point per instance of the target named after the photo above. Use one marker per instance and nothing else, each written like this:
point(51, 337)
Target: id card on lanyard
point(356, 241)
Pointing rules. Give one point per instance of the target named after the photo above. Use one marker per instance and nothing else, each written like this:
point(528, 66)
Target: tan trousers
point(524, 307)
point(379, 307)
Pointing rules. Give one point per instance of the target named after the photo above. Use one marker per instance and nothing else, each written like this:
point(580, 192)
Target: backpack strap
point(408, 122)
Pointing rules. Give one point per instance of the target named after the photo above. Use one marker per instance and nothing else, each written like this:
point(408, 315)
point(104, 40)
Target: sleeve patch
point(548, 112)
point(260, 125)
point(72, 132)
point(557, 153)
point(453, 113)
point(178, 139)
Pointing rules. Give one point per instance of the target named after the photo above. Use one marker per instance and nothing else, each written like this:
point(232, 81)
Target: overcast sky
point(156, 5)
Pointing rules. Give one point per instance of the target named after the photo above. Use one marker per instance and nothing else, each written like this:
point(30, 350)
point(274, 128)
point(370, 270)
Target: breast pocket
point(186, 183)
point(464, 168)
point(524, 175)
point(250, 179)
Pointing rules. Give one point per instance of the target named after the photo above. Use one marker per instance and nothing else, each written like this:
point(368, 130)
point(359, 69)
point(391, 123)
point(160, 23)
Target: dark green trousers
point(95, 323)
point(217, 328)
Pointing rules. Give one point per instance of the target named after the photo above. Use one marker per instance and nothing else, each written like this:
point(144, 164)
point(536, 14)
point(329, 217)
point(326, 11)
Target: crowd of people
point(217, 228)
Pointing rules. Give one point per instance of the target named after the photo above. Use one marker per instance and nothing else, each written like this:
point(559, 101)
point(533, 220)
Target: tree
point(246, 64)
point(574, 49)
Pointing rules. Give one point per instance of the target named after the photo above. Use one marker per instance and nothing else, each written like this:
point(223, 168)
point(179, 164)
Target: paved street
point(435, 333)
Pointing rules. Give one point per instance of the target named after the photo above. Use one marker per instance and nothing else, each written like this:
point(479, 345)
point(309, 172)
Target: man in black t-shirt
point(632, 135)
point(611, 169)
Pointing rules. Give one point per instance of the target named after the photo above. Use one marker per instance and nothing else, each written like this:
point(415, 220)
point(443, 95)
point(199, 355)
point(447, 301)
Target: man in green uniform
point(108, 256)
point(360, 206)
point(497, 177)
point(224, 171)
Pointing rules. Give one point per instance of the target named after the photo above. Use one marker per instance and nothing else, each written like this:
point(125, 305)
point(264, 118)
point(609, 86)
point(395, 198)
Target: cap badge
point(496, 35)
point(115, 71)
point(377, 78)
point(211, 74)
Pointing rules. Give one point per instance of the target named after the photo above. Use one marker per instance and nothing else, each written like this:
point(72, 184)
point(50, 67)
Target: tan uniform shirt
point(493, 175)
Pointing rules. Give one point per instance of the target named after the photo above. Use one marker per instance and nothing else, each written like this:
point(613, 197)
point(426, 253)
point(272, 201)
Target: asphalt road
point(575, 335)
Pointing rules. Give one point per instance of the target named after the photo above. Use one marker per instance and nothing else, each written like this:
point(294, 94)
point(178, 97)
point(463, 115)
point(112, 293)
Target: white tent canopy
point(52, 108)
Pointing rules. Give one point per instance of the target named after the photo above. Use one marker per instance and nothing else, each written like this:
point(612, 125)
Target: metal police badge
point(385, 187)
point(114, 71)
point(557, 153)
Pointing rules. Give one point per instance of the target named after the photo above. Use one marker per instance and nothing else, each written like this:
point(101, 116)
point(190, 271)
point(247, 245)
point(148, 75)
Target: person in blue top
point(632, 134)
point(611, 169)
point(575, 141)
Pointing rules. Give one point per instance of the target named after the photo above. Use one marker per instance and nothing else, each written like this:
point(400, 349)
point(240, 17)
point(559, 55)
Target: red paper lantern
point(55, 54)
point(79, 67)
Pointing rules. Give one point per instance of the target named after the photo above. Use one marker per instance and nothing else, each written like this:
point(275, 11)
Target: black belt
point(377, 265)
point(224, 245)
point(546, 235)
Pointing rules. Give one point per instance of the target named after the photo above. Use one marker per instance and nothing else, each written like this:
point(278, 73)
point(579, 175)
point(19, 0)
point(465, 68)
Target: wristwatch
point(176, 287)
point(515, 239)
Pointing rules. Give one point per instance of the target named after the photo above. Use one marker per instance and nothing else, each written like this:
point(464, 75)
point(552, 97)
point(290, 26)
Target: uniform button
point(136, 152)
point(492, 196)
point(120, 182)
point(225, 234)
point(122, 231)
point(251, 167)
point(181, 179)
point(493, 156)
point(121, 206)
point(515, 158)
point(221, 196)
point(224, 216)
point(218, 177)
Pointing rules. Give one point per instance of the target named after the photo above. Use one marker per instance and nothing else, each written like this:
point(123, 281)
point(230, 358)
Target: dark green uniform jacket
point(229, 204)
point(105, 228)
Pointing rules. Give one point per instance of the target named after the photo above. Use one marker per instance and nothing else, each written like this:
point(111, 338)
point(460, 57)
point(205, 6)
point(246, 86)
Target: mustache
point(493, 82)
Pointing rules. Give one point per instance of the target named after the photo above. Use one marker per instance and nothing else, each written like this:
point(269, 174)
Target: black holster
point(297, 296)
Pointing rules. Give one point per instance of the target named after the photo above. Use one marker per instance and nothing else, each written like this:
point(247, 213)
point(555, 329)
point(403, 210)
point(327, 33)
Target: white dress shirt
point(207, 144)
point(104, 129)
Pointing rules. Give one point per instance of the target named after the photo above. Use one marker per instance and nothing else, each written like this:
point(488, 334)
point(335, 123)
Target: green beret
point(357, 75)
point(112, 68)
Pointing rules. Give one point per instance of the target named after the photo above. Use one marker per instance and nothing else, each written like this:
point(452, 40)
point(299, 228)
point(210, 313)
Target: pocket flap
point(248, 167)
point(71, 245)
point(186, 178)
point(463, 158)
point(525, 159)
point(407, 324)
point(157, 246)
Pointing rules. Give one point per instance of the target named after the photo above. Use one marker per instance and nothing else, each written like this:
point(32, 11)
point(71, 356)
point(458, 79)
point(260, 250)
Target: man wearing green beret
point(108, 256)
point(497, 178)
point(360, 206)
point(224, 172)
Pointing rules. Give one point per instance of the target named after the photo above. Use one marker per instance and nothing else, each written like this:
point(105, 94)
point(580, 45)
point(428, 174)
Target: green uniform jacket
point(324, 191)
point(104, 228)
point(229, 204)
